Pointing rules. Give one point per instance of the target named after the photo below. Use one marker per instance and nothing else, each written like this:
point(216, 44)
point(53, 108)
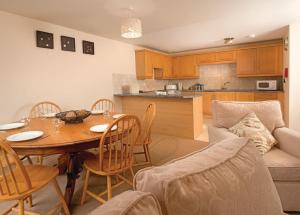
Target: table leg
point(73, 170)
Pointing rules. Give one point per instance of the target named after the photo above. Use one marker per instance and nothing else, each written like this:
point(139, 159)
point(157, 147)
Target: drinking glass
point(107, 114)
point(57, 125)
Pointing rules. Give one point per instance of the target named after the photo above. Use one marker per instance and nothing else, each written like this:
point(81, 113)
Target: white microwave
point(266, 85)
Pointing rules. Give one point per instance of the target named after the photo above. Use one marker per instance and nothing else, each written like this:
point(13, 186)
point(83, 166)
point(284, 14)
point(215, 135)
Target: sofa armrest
point(218, 134)
point(289, 140)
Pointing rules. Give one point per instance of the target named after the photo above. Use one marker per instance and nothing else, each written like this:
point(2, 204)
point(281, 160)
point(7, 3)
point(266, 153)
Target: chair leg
point(61, 197)
point(109, 189)
point(145, 153)
point(85, 186)
point(148, 154)
point(21, 207)
point(29, 201)
point(132, 173)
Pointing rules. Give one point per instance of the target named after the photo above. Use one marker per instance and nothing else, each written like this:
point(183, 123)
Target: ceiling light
point(228, 40)
point(131, 28)
point(252, 36)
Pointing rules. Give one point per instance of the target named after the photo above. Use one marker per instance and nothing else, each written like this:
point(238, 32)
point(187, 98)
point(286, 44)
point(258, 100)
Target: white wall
point(72, 79)
point(294, 76)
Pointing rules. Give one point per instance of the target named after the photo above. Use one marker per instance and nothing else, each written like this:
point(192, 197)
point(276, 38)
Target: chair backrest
point(104, 104)
point(117, 143)
point(42, 108)
point(14, 179)
point(226, 113)
point(147, 122)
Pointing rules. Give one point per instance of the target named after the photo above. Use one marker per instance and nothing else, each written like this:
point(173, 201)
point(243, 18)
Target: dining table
point(60, 138)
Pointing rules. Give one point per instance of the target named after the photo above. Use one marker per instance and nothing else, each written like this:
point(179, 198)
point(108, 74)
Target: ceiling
point(168, 25)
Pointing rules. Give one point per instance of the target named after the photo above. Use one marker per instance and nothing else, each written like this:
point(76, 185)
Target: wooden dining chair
point(104, 104)
point(42, 108)
point(115, 156)
point(145, 137)
point(38, 110)
point(19, 182)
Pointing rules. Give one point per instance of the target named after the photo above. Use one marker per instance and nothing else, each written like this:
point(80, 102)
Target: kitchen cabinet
point(246, 62)
point(269, 60)
point(147, 63)
point(143, 64)
point(185, 67)
point(260, 61)
point(226, 56)
point(208, 97)
point(205, 58)
point(244, 96)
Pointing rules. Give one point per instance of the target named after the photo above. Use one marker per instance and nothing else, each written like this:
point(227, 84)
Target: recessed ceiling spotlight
point(228, 40)
point(252, 36)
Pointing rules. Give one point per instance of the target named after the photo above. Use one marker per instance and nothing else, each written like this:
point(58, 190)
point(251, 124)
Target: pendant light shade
point(131, 28)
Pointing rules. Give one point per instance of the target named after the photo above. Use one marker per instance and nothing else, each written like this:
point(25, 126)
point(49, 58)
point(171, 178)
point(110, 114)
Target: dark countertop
point(237, 90)
point(184, 95)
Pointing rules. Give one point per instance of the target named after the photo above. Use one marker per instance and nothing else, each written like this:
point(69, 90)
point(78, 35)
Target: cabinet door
point(167, 67)
point(246, 62)
point(207, 99)
point(205, 58)
point(185, 66)
point(225, 57)
point(225, 96)
point(269, 60)
point(143, 63)
point(264, 96)
point(244, 96)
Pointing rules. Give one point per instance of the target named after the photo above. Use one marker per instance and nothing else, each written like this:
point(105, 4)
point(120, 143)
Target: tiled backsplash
point(212, 76)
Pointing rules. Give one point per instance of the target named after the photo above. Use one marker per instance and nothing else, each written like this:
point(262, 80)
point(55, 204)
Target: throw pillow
point(251, 127)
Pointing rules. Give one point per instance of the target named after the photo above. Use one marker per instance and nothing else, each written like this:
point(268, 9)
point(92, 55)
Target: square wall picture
point(44, 40)
point(67, 43)
point(88, 47)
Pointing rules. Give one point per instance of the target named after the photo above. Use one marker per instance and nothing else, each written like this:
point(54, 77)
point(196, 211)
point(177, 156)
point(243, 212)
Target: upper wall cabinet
point(152, 64)
point(246, 62)
point(260, 61)
point(143, 64)
point(185, 67)
point(269, 60)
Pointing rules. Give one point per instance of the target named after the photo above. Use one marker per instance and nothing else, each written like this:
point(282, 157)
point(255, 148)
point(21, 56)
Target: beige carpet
point(163, 149)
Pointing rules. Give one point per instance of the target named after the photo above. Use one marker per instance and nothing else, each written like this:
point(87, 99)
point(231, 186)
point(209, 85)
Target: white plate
point(95, 112)
point(49, 115)
point(23, 136)
point(12, 126)
point(116, 116)
point(102, 128)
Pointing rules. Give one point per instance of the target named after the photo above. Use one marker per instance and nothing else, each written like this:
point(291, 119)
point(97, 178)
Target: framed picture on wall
point(88, 47)
point(67, 43)
point(44, 40)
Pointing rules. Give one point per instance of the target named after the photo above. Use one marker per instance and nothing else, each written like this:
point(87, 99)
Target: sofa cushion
point(282, 166)
point(250, 126)
point(130, 203)
point(226, 114)
point(228, 177)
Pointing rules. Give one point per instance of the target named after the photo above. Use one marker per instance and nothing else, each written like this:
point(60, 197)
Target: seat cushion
point(226, 114)
point(130, 203)
point(282, 166)
point(228, 177)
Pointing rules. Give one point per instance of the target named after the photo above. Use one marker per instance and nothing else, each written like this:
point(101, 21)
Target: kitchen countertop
point(183, 95)
point(234, 90)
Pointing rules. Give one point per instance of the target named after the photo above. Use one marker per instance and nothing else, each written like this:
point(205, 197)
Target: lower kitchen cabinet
point(208, 97)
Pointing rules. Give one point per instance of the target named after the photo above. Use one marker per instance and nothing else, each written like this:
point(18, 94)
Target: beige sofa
point(226, 178)
point(283, 161)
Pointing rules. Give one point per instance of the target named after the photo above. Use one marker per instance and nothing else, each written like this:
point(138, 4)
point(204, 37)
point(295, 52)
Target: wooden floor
point(163, 149)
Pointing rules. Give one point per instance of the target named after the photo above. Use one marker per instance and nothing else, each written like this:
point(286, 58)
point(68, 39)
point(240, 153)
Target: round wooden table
point(69, 139)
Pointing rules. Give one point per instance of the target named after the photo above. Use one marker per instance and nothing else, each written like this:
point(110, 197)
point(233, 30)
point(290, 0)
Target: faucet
point(224, 87)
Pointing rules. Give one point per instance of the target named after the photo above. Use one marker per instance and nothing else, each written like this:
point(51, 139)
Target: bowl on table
point(73, 116)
